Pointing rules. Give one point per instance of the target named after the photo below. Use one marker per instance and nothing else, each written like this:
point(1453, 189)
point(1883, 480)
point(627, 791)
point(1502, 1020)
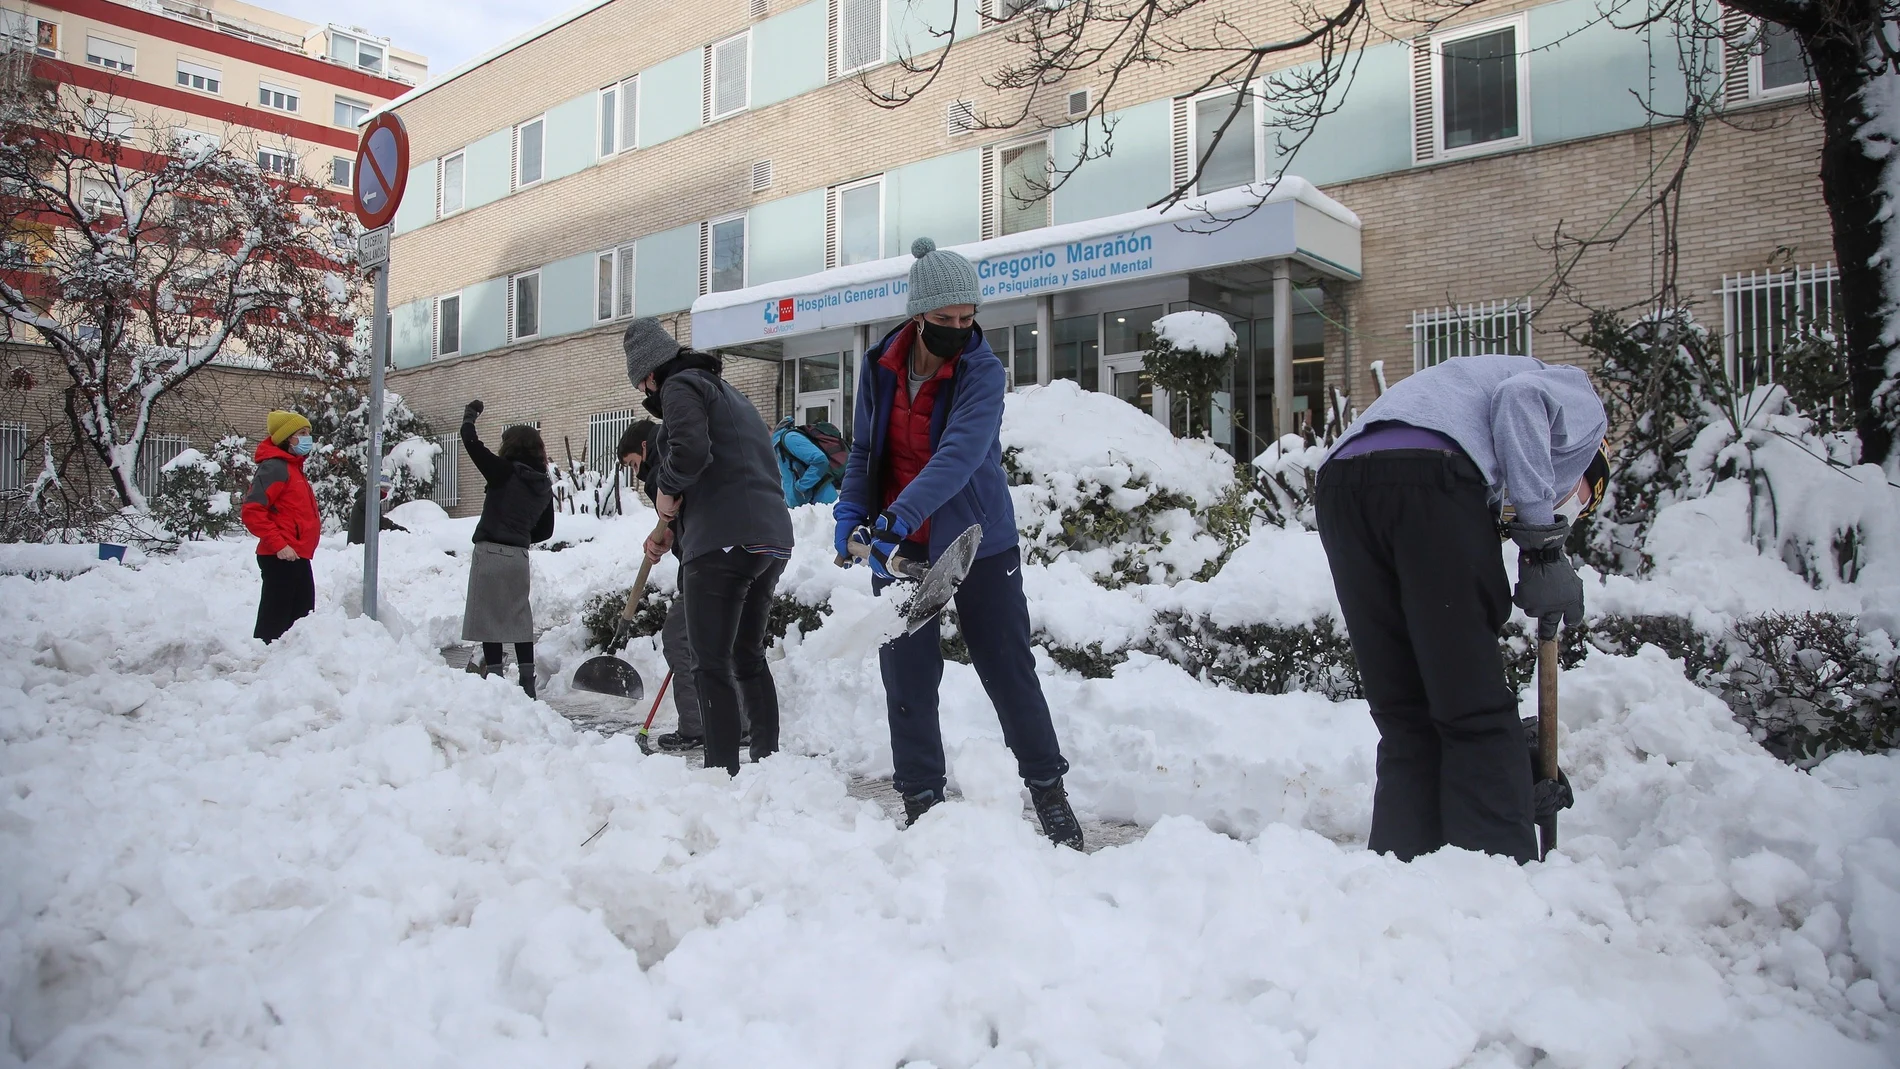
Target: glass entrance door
point(1124, 377)
point(819, 396)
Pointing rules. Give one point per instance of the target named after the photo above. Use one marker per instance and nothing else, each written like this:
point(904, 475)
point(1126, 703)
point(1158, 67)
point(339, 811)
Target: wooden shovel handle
point(1547, 668)
point(638, 590)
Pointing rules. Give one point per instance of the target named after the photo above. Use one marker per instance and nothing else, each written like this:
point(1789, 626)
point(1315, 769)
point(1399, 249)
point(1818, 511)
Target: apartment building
point(289, 92)
point(721, 167)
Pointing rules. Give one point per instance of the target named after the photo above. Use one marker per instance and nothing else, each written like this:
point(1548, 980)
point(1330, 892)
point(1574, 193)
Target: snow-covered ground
point(339, 851)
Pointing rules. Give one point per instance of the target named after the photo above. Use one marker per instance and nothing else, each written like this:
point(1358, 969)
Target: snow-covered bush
point(337, 406)
point(1190, 358)
point(1285, 477)
point(1811, 684)
point(200, 496)
point(601, 616)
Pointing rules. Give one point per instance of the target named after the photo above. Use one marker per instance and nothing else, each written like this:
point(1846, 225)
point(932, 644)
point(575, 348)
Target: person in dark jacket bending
point(926, 464)
point(719, 490)
point(517, 511)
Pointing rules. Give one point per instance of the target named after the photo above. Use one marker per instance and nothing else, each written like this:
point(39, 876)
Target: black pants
point(995, 619)
point(290, 594)
point(1415, 557)
point(492, 653)
point(728, 606)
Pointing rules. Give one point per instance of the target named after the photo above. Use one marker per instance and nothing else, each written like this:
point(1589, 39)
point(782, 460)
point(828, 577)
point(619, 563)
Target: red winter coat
point(280, 508)
point(908, 440)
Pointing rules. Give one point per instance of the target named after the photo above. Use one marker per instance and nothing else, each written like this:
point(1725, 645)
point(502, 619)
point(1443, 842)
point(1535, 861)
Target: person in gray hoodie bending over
point(719, 490)
point(1409, 505)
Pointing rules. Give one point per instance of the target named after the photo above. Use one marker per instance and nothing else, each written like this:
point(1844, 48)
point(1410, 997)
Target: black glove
point(1548, 586)
point(471, 411)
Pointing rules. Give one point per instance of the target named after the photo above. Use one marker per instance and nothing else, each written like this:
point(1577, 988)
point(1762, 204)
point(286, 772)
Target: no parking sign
point(382, 170)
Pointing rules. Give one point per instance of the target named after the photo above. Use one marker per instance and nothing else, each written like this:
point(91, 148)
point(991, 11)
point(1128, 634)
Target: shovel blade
point(940, 584)
point(608, 675)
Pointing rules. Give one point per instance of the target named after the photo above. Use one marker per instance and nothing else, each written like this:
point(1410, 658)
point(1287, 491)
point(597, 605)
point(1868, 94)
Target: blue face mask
point(303, 445)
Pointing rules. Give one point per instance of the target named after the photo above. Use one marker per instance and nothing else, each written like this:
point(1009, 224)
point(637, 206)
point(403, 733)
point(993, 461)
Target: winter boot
point(486, 671)
point(1052, 808)
point(674, 742)
point(527, 679)
point(916, 805)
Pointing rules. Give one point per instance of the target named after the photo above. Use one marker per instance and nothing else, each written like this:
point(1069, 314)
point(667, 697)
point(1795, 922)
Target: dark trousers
point(492, 653)
point(678, 651)
point(1415, 557)
point(290, 594)
point(728, 606)
point(995, 620)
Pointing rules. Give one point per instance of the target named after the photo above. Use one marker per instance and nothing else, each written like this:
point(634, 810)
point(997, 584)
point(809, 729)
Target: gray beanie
point(648, 345)
point(939, 278)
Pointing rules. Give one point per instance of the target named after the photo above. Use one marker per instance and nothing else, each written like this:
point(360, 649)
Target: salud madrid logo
point(779, 312)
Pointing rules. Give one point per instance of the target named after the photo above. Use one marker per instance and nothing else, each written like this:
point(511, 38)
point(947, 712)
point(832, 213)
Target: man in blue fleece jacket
point(1408, 507)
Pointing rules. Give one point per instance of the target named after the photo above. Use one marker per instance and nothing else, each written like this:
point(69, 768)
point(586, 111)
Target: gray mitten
point(1548, 586)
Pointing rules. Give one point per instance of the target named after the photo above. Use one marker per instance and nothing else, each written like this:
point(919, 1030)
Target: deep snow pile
point(341, 852)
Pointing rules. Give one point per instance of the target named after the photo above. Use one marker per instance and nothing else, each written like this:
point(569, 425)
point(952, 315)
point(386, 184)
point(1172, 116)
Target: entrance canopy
point(1295, 222)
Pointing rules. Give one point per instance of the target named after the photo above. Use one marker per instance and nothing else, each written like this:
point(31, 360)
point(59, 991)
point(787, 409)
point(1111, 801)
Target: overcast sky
point(446, 31)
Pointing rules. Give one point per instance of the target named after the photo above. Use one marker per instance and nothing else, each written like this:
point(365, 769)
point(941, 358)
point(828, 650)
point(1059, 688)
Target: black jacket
point(518, 509)
point(715, 454)
point(357, 511)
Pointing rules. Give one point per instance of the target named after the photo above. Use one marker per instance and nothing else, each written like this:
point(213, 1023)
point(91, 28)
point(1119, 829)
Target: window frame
point(1001, 192)
point(712, 87)
point(541, 163)
point(106, 196)
point(883, 38)
point(1519, 25)
point(435, 324)
point(214, 82)
point(356, 53)
point(104, 120)
point(289, 158)
point(514, 305)
point(1257, 126)
point(112, 65)
point(626, 126)
point(442, 210)
point(341, 101)
point(1758, 64)
point(882, 209)
point(13, 464)
point(293, 98)
point(614, 291)
point(745, 250)
point(349, 164)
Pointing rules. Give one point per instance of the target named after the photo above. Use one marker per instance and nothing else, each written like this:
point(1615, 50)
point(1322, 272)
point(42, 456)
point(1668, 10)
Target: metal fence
point(448, 467)
point(603, 437)
point(1491, 327)
point(154, 453)
point(13, 447)
point(1764, 312)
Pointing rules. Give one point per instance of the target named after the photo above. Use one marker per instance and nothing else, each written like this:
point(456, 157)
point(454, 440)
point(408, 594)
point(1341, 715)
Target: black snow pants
point(1415, 557)
point(290, 594)
point(728, 611)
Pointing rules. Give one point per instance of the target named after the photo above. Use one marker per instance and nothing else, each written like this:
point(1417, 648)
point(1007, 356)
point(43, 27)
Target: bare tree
point(1302, 57)
point(139, 257)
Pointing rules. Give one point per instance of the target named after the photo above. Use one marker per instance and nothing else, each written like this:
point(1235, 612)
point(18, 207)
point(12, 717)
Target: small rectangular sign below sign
point(372, 248)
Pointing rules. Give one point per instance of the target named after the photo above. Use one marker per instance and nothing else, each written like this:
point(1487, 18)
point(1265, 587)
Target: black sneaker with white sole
point(916, 805)
point(674, 742)
point(1058, 818)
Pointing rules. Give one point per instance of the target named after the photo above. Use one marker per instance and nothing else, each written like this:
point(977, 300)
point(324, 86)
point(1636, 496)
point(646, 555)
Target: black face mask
point(652, 405)
point(946, 342)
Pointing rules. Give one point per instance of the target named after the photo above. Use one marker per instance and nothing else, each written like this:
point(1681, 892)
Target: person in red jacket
point(281, 511)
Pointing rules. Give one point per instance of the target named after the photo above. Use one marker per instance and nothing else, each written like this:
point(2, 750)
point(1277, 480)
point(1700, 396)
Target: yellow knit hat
point(280, 425)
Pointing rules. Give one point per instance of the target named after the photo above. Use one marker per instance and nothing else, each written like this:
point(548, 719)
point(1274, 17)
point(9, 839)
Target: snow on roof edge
point(1213, 206)
point(488, 57)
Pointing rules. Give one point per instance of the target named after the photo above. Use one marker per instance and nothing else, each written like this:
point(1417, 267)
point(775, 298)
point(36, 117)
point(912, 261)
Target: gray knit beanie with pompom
point(939, 278)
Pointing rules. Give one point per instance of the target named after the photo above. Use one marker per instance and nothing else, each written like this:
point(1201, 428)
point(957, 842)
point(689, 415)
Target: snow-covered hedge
point(199, 496)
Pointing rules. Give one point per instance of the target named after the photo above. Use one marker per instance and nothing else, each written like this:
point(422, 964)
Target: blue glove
point(883, 535)
point(842, 539)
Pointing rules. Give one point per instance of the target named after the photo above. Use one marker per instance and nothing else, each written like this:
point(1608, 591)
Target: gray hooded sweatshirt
point(1530, 427)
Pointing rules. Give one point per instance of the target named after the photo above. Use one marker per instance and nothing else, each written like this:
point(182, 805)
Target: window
point(448, 465)
point(1024, 190)
point(28, 32)
point(187, 142)
point(1017, 348)
point(613, 284)
point(861, 222)
point(13, 446)
point(620, 117)
point(448, 325)
point(340, 170)
point(449, 189)
point(109, 54)
point(156, 451)
point(353, 52)
point(1233, 161)
point(198, 76)
point(528, 141)
point(276, 97)
point(276, 161)
point(350, 114)
point(727, 79)
point(1481, 88)
point(1763, 314)
point(1493, 327)
point(603, 438)
point(1076, 352)
point(96, 198)
point(104, 124)
point(1130, 330)
point(860, 33)
point(725, 257)
point(524, 305)
point(1781, 64)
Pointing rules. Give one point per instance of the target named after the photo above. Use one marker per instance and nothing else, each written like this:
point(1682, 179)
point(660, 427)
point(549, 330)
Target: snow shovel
point(936, 583)
point(610, 675)
point(1552, 789)
point(640, 738)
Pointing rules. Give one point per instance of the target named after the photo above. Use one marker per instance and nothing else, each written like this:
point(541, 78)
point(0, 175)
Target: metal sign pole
point(373, 459)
